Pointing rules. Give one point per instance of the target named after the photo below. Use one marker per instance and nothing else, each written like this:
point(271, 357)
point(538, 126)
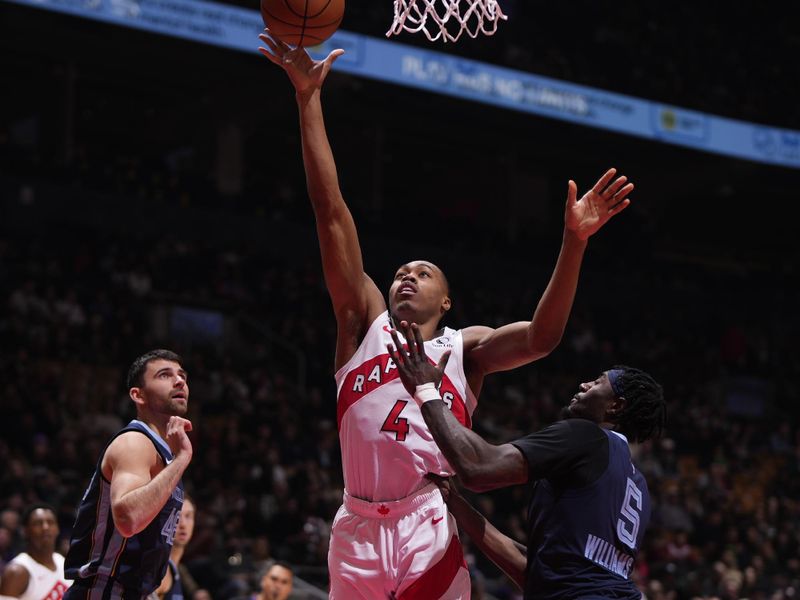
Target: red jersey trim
point(380, 370)
point(435, 581)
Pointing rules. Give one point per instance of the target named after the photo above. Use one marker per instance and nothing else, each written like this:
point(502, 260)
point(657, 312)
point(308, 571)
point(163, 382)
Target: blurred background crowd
point(257, 336)
point(155, 197)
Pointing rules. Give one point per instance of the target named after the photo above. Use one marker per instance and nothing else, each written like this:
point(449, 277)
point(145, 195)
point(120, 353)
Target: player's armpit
point(356, 299)
point(14, 581)
point(353, 319)
point(356, 304)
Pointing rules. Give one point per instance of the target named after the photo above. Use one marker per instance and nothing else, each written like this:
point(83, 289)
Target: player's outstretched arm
point(480, 465)
point(136, 497)
point(489, 350)
point(509, 555)
point(356, 299)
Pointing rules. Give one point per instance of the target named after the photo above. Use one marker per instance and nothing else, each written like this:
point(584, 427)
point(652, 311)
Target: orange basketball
point(302, 22)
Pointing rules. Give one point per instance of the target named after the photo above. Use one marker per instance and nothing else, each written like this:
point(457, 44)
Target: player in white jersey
point(393, 537)
point(37, 574)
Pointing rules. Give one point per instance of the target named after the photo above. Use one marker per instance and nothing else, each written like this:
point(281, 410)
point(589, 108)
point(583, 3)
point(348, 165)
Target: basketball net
point(446, 19)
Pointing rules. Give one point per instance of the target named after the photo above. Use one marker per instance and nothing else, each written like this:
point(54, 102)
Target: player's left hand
point(607, 198)
point(446, 487)
point(413, 364)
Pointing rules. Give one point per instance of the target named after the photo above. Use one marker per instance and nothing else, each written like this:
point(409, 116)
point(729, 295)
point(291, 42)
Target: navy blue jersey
point(175, 591)
point(103, 563)
point(588, 513)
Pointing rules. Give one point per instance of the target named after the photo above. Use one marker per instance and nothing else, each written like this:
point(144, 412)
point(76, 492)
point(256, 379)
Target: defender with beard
point(129, 514)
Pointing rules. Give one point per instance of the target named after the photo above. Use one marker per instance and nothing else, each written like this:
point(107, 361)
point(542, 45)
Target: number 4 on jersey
point(168, 530)
point(396, 425)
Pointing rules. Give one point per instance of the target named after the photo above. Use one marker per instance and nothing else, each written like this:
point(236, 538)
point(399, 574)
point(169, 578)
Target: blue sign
point(236, 28)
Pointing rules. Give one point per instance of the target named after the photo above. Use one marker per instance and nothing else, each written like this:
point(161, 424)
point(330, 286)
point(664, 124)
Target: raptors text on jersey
point(386, 447)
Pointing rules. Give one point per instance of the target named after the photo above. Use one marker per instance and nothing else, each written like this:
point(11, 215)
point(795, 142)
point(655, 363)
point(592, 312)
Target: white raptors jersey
point(386, 446)
point(43, 584)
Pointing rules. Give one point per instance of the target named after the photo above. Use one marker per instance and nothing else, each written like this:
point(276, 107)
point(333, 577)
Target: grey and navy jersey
point(588, 513)
point(107, 566)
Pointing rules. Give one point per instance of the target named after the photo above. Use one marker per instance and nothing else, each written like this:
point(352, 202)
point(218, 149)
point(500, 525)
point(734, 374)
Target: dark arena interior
point(152, 195)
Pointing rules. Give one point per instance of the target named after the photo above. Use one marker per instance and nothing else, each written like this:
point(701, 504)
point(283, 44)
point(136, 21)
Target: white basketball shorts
point(404, 549)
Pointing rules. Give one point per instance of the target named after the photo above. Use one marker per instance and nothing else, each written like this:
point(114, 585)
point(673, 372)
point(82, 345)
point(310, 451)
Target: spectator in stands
point(50, 373)
point(277, 582)
point(178, 584)
point(37, 573)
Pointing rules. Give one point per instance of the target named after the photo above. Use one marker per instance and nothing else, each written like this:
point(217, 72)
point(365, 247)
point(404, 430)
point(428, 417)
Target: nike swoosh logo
point(435, 520)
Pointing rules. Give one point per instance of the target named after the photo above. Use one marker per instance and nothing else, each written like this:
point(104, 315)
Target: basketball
point(302, 22)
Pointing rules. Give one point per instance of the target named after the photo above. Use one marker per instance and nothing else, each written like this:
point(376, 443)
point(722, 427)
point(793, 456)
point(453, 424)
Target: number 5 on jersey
point(629, 521)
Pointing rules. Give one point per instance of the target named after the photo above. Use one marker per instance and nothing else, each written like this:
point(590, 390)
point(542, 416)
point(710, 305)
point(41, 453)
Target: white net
point(446, 19)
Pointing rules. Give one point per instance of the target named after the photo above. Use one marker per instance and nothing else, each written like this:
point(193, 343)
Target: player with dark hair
point(277, 582)
point(129, 514)
point(386, 448)
point(37, 573)
point(590, 505)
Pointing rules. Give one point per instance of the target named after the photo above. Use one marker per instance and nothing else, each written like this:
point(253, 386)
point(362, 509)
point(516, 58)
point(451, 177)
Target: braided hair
point(645, 412)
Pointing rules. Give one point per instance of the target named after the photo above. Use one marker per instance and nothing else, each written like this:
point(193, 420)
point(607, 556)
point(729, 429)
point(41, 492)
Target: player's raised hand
point(178, 441)
point(305, 73)
point(413, 364)
point(607, 198)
